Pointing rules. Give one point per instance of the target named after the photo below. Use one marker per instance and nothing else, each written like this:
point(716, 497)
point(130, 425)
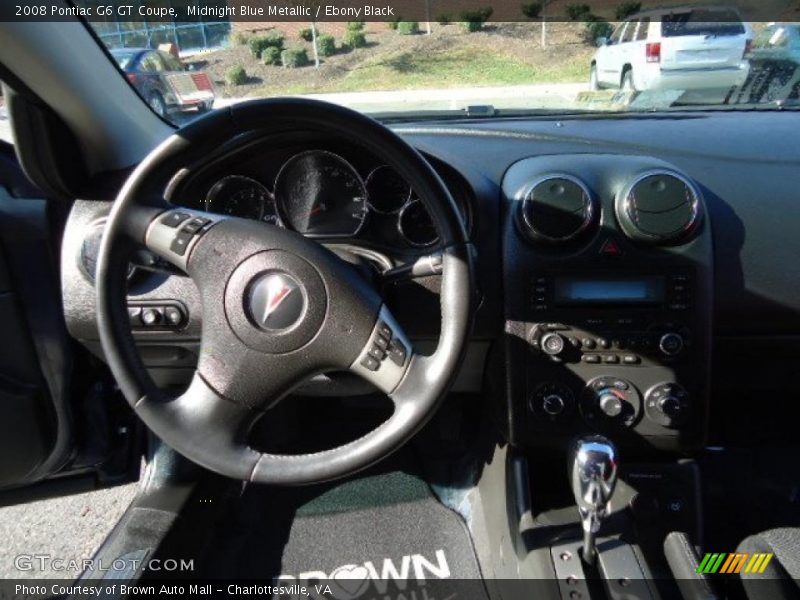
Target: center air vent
point(659, 207)
point(557, 209)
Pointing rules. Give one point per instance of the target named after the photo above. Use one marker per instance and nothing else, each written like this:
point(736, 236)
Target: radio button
point(603, 343)
point(671, 344)
point(553, 344)
point(588, 343)
point(611, 359)
point(591, 358)
point(630, 359)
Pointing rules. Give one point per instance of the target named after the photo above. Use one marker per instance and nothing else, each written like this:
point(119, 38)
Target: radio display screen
point(615, 290)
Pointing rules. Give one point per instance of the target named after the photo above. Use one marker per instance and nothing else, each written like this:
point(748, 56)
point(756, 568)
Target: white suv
point(674, 49)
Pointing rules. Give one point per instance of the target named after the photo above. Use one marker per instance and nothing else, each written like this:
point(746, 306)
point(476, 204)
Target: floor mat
point(377, 531)
point(69, 528)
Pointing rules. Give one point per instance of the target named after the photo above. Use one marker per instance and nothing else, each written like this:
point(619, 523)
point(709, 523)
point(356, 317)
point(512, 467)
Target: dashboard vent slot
point(659, 207)
point(557, 209)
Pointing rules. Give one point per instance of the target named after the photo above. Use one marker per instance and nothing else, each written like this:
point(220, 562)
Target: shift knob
point(593, 474)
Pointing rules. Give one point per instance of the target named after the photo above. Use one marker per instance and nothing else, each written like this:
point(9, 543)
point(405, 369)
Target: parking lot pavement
point(69, 528)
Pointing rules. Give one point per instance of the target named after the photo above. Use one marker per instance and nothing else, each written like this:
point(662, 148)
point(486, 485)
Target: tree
point(545, 4)
point(428, 16)
point(313, 5)
point(314, 44)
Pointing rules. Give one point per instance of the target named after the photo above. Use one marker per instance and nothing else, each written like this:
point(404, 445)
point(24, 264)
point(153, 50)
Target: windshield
point(494, 58)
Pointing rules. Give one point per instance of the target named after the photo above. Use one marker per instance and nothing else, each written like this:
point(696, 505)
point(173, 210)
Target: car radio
point(630, 319)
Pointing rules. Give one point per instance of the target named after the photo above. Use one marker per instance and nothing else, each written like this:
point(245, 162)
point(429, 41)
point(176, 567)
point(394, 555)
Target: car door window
point(630, 30)
point(644, 29)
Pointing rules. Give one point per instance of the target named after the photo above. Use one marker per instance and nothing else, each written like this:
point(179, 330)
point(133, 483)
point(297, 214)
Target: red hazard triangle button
point(610, 248)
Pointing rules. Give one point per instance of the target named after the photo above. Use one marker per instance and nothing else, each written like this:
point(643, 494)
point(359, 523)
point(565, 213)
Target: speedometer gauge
point(243, 197)
point(319, 194)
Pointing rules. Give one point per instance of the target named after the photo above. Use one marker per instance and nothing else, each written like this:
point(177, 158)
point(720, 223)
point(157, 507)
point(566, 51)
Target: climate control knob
point(610, 402)
point(671, 344)
point(611, 405)
point(552, 401)
point(671, 406)
point(667, 404)
point(553, 405)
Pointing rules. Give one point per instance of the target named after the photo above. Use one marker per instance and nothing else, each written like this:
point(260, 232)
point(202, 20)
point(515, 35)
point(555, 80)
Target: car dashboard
point(617, 258)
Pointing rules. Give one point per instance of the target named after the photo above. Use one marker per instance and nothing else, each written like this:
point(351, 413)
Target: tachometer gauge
point(387, 191)
point(416, 225)
point(319, 194)
point(243, 197)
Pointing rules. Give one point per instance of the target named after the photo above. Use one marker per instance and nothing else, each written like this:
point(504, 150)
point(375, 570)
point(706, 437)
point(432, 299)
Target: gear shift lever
point(593, 474)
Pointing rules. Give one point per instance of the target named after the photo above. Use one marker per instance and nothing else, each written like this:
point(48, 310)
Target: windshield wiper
point(485, 111)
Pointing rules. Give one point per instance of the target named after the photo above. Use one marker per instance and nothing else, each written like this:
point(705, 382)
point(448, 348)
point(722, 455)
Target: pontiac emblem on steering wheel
point(276, 301)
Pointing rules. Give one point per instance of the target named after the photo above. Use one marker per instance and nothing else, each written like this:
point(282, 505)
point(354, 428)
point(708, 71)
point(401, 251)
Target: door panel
point(35, 357)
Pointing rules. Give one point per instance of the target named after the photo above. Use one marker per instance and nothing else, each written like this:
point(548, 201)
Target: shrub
point(394, 22)
point(259, 43)
point(354, 39)
point(294, 57)
point(532, 10)
point(236, 75)
point(326, 45)
point(408, 27)
point(597, 28)
point(240, 38)
point(576, 12)
point(626, 9)
point(443, 19)
point(271, 55)
point(473, 20)
point(306, 34)
point(354, 26)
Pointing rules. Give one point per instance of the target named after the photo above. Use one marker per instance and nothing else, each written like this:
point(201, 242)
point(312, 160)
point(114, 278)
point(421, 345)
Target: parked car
point(164, 81)
point(774, 65)
point(674, 49)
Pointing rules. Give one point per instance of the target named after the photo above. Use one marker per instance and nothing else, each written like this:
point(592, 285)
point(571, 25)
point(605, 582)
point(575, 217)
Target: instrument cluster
point(320, 194)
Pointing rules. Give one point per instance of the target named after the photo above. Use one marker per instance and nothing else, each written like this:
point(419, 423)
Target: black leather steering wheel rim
point(208, 424)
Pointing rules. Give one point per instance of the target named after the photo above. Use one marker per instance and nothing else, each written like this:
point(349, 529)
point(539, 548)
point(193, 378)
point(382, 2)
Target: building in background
point(187, 36)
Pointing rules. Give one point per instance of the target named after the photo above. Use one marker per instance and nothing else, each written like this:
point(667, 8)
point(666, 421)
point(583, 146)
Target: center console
point(607, 268)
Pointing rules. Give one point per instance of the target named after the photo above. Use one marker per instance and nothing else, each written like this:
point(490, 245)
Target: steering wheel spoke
point(172, 234)
point(219, 427)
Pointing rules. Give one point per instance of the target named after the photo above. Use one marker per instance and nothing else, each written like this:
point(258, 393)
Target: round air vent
point(557, 209)
point(659, 207)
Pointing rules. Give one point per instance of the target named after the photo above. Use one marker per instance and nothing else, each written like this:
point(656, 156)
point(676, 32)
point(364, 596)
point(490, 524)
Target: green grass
point(468, 66)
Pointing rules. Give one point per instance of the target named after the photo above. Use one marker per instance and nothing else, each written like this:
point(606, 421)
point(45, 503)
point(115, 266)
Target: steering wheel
point(277, 308)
